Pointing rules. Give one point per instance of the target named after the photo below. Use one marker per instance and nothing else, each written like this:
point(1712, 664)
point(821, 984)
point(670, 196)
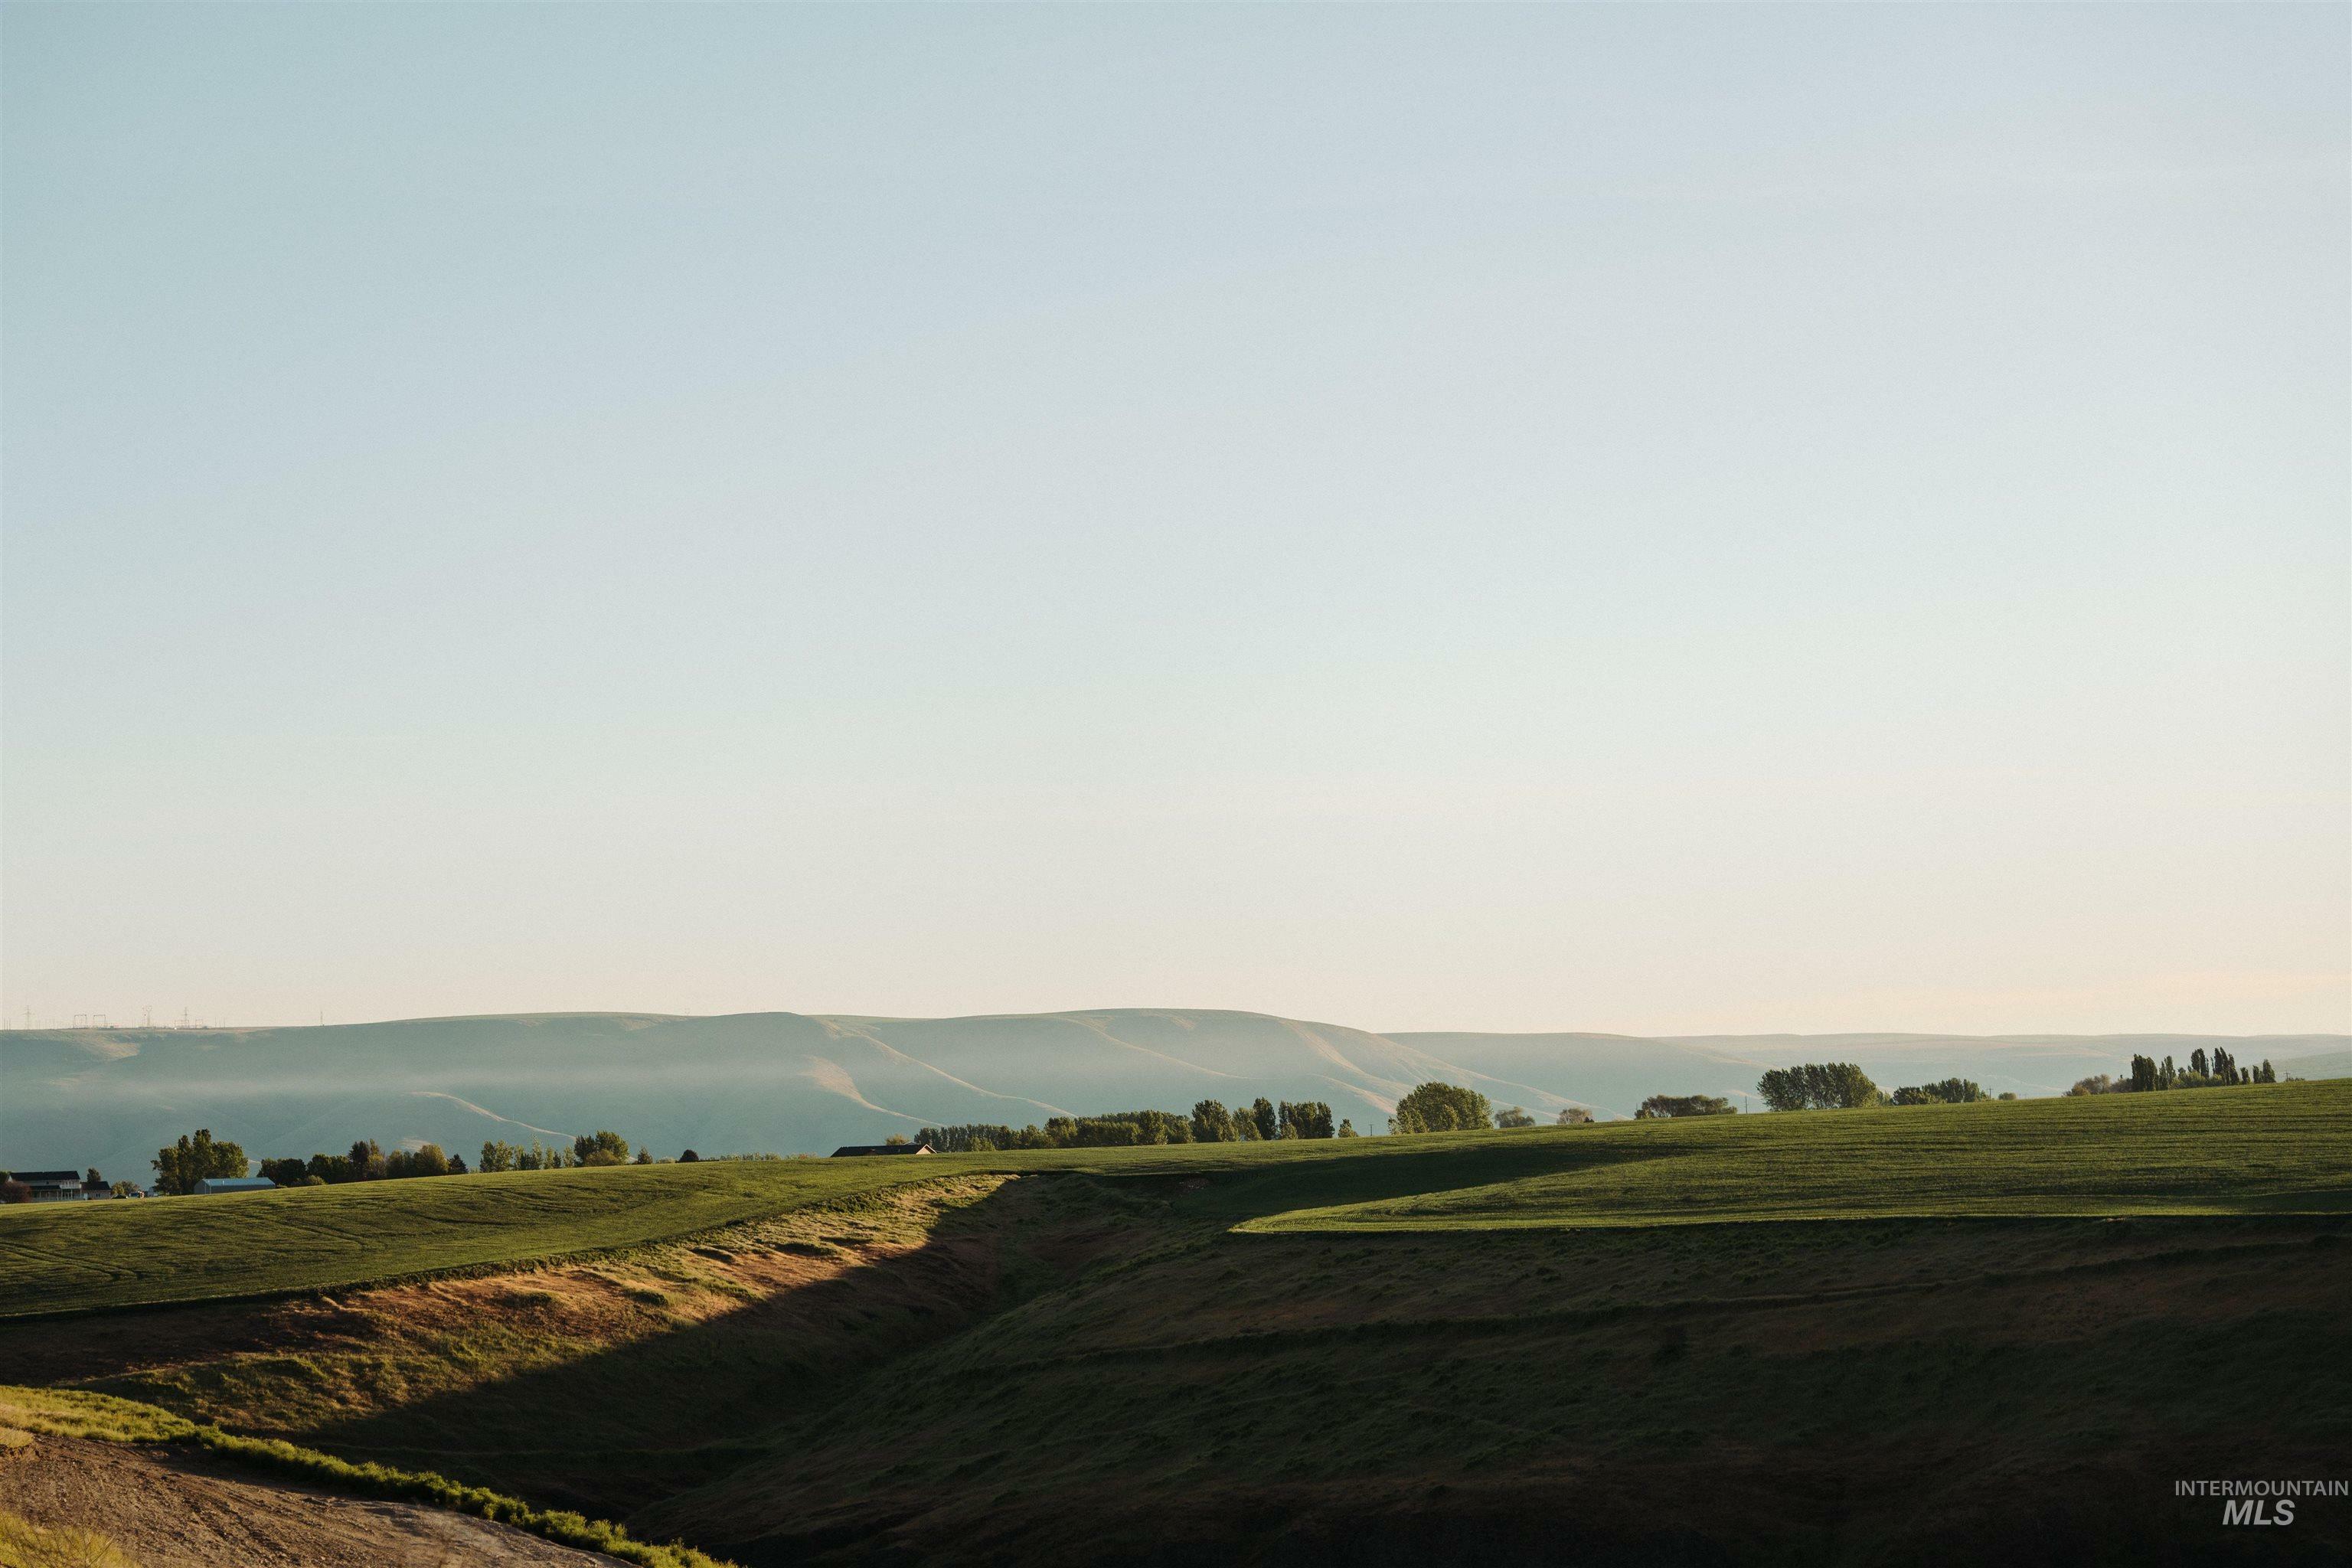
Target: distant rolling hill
point(798, 1084)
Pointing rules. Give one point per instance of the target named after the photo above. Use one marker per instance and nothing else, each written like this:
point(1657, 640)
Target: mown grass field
point(2284, 1148)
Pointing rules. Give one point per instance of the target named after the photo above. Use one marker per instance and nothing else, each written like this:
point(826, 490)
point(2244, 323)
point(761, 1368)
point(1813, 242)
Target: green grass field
point(73, 1257)
point(1384, 1348)
point(2283, 1148)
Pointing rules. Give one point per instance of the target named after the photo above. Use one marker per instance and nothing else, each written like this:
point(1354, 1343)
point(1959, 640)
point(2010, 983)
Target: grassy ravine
point(2284, 1148)
point(67, 1413)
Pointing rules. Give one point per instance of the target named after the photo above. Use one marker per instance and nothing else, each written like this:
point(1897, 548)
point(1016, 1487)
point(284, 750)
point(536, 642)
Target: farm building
point(236, 1184)
point(62, 1186)
point(848, 1149)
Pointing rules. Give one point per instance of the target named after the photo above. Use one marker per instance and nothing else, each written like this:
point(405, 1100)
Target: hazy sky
point(1648, 518)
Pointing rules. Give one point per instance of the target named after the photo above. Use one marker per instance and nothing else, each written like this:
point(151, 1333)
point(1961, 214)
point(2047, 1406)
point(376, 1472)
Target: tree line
point(1843, 1086)
point(2148, 1075)
point(602, 1147)
point(199, 1156)
point(364, 1161)
point(1210, 1123)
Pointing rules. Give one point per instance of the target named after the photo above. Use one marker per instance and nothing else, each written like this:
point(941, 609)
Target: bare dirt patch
point(171, 1511)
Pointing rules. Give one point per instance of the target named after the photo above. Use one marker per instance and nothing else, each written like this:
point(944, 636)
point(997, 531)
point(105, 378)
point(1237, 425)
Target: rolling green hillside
point(2283, 1148)
point(1395, 1349)
point(69, 1257)
point(2275, 1149)
point(791, 1084)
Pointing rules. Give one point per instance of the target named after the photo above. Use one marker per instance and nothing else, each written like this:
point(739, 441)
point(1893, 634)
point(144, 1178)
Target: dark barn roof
point(849, 1148)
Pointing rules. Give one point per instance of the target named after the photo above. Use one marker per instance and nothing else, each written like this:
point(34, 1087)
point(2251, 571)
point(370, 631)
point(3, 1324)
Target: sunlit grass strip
point(67, 1413)
point(23, 1545)
point(2283, 1149)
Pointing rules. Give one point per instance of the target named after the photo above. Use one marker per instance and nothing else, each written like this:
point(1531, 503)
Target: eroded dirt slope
point(174, 1511)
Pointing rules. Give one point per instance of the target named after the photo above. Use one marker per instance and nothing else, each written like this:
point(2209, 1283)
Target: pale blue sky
point(1616, 518)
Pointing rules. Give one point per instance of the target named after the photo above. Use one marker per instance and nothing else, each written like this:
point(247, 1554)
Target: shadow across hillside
point(623, 1426)
point(1406, 1168)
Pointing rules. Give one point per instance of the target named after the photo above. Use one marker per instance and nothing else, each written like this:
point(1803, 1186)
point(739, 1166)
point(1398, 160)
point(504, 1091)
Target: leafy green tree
point(1442, 1107)
point(1347, 1129)
point(1573, 1116)
point(1961, 1091)
point(1306, 1118)
point(605, 1147)
point(1211, 1123)
point(1515, 1116)
point(1818, 1086)
point(497, 1156)
point(2143, 1075)
point(1262, 1117)
point(1781, 1090)
point(426, 1160)
point(288, 1172)
point(689, 1157)
point(180, 1166)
